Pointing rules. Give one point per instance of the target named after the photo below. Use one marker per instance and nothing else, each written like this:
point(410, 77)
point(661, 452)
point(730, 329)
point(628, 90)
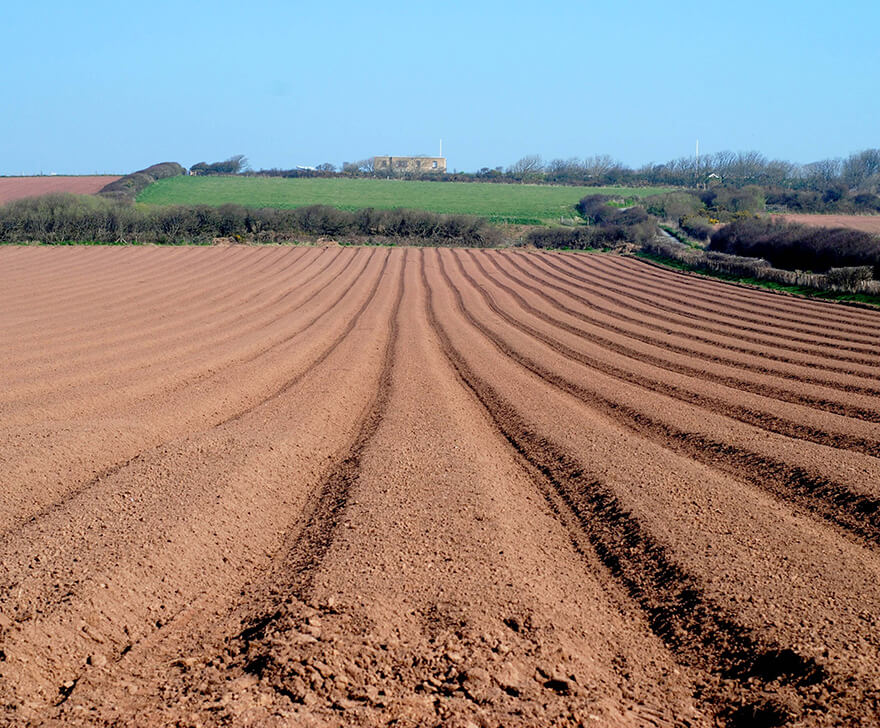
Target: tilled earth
point(351, 486)
point(15, 188)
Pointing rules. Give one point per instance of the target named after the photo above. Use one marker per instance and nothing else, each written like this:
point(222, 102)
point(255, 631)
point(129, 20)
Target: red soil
point(305, 486)
point(865, 223)
point(15, 188)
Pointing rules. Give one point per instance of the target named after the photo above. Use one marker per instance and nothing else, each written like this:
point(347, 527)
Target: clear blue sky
point(99, 86)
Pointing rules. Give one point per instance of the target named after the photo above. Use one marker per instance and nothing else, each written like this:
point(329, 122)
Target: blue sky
point(112, 87)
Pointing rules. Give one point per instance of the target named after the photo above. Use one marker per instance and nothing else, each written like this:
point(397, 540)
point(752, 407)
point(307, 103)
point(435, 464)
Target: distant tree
point(234, 165)
point(861, 169)
point(366, 165)
point(530, 164)
point(570, 166)
point(238, 163)
point(819, 174)
point(778, 171)
point(326, 167)
point(599, 165)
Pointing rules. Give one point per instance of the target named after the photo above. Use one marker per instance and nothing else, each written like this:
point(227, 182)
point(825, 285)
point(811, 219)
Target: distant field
point(15, 188)
point(525, 204)
point(865, 223)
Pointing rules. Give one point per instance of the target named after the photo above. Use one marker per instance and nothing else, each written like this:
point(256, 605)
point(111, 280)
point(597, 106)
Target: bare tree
point(530, 164)
point(778, 171)
point(861, 169)
point(599, 165)
point(823, 171)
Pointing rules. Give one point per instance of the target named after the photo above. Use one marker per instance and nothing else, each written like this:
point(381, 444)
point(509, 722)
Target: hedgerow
point(798, 247)
point(131, 185)
point(62, 218)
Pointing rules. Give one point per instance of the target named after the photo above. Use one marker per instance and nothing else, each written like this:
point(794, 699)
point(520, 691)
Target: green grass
point(502, 203)
point(760, 283)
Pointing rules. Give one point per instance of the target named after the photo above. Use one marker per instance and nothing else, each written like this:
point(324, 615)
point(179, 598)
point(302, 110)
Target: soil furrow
point(361, 486)
point(121, 280)
point(686, 294)
point(759, 418)
point(68, 282)
point(623, 296)
point(286, 386)
point(321, 519)
point(864, 318)
point(748, 675)
point(229, 492)
point(194, 358)
point(712, 352)
point(28, 288)
point(199, 391)
point(213, 307)
point(835, 502)
point(185, 287)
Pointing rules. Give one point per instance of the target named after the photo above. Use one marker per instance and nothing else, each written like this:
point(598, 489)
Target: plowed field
point(15, 188)
point(865, 223)
point(356, 486)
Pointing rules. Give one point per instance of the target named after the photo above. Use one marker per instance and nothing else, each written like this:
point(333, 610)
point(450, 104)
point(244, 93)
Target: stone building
point(408, 165)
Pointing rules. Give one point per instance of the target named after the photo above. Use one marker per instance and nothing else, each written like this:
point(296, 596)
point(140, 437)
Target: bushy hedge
point(698, 228)
point(130, 186)
point(834, 199)
point(62, 218)
point(798, 247)
point(854, 279)
point(610, 227)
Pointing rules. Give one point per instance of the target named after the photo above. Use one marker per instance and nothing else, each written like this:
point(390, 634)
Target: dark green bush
point(610, 227)
point(130, 186)
point(798, 247)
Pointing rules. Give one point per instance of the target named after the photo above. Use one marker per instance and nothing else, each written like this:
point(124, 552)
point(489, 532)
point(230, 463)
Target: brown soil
point(280, 486)
point(15, 188)
point(866, 223)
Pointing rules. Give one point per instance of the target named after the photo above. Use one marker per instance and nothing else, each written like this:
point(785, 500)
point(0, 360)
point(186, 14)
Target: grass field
point(512, 203)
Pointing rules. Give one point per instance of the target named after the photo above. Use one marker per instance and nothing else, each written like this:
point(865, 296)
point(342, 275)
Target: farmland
point(865, 223)
point(528, 204)
point(15, 188)
point(304, 486)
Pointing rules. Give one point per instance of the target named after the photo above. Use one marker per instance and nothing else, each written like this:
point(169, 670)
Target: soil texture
point(337, 486)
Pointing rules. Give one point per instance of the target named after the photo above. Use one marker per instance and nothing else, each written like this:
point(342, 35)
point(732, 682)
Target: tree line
point(858, 172)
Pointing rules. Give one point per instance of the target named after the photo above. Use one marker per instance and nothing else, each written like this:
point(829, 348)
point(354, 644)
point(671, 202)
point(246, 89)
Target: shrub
point(850, 279)
point(867, 202)
point(675, 205)
point(611, 227)
point(697, 227)
point(797, 247)
point(130, 186)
